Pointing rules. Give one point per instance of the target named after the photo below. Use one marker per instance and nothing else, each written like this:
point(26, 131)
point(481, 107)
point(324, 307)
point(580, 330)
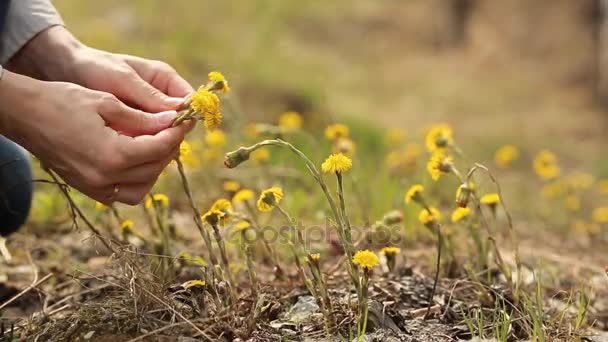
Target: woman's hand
point(90, 138)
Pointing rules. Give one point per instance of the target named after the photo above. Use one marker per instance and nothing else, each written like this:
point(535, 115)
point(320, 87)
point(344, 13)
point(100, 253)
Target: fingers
point(160, 75)
point(151, 148)
point(145, 172)
point(131, 121)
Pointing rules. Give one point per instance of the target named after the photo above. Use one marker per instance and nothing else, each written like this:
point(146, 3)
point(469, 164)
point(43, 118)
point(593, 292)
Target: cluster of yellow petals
point(242, 196)
point(290, 122)
point(600, 215)
point(260, 155)
point(314, 256)
point(366, 259)
point(161, 199)
point(218, 81)
point(490, 199)
point(216, 138)
point(459, 214)
point(336, 131)
point(545, 165)
point(194, 283)
point(269, 199)
point(213, 216)
point(231, 186)
point(337, 163)
point(390, 250)
point(126, 227)
point(438, 164)
point(439, 137)
point(414, 193)
point(425, 217)
point(242, 225)
point(506, 155)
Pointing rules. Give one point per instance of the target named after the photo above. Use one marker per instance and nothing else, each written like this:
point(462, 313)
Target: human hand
point(90, 138)
point(56, 55)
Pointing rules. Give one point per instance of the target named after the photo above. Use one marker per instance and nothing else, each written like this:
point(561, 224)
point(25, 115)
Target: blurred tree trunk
point(458, 17)
point(597, 17)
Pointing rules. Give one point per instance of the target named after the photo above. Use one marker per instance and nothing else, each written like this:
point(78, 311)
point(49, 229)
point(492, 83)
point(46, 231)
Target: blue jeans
point(16, 186)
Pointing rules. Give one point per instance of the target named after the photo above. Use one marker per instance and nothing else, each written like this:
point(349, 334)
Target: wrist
point(50, 55)
point(17, 93)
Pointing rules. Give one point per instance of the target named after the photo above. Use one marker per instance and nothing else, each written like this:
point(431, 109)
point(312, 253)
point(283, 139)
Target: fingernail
point(173, 102)
point(167, 117)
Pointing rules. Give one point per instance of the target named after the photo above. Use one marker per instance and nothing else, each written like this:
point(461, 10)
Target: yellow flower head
point(390, 251)
point(427, 218)
point(262, 154)
point(222, 205)
point(242, 196)
point(231, 186)
point(204, 101)
point(160, 199)
point(100, 206)
point(216, 138)
point(270, 198)
point(184, 149)
point(439, 164)
point(553, 189)
point(603, 186)
point(600, 215)
point(366, 259)
point(580, 181)
point(290, 122)
point(126, 227)
point(463, 194)
point(459, 214)
point(336, 131)
point(394, 136)
point(414, 194)
point(572, 203)
point(506, 155)
point(337, 163)
point(439, 137)
point(345, 146)
point(213, 216)
point(213, 121)
point(545, 165)
point(241, 225)
point(490, 199)
point(194, 283)
point(314, 256)
point(218, 82)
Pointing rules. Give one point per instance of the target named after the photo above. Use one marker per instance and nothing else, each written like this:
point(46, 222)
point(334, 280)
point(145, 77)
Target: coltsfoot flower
point(336, 131)
point(290, 122)
point(390, 250)
point(231, 186)
point(126, 227)
point(194, 283)
point(222, 205)
point(242, 225)
point(269, 199)
point(600, 215)
point(545, 165)
point(205, 102)
point(366, 259)
point(463, 194)
point(506, 155)
point(243, 196)
point(414, 194)
point(439, 164)
point(160, 199)
point(390, 253)
point(218, 82)
point(439, 137)
point(491, 200)
point(337, 163)
point(261, 155)
point(237, 157)
point(216, 138)
point(572, 203)
point(213, 216)
point(315, 257)
point(429, 219)
point(459, 214)
point(579, 181)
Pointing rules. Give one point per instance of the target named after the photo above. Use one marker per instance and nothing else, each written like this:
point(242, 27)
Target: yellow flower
point(580, 181)
point(427, 218)
point(439, 164)
point(490, 199)
point(553, 189)
point(204, 102)
point(394, 136)
point(572, 203)
point(345, 146)
point(213, 216)
point(242, 196)
point(463, 194)
point(600, 215)
point(161, 199)
point(100, 206)
point(213, 121)
point(390, 250)
point(603, 186)
point(126, 227)
point(414, 193)
point(215, 138)
point(290, 122)
point(337, 163)
point(314, 256)
point(241, 225)
point(222, 205)
point(336, 131)
point(366, 259)
point(545, 165)
point(270, 198)
point(194, 283)
point(459, 214)
point(184, 149)
point(231, 186)
point(218, 82)
point(505, 155)
point(262, 154)
point(439, 137)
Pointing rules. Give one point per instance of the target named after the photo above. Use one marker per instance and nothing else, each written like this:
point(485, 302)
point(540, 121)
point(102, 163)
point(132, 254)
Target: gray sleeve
point(25, 19)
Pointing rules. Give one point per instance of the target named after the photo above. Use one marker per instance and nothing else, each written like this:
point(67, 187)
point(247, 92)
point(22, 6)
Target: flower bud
point(463, 195)
point(392, 217)
point(235, 158)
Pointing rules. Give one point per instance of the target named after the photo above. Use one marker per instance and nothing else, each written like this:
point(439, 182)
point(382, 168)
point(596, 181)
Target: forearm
point(17, 94)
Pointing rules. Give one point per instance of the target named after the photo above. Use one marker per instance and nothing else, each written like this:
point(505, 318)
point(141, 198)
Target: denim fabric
point(16, 186)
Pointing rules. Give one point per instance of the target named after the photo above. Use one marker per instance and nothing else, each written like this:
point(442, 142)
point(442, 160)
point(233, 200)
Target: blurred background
point(529, 72)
